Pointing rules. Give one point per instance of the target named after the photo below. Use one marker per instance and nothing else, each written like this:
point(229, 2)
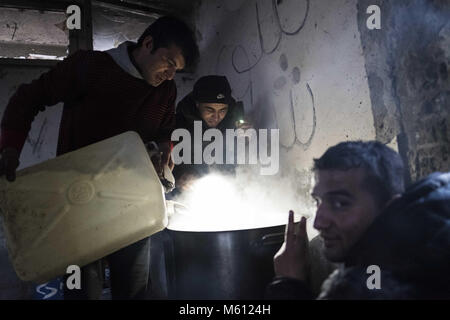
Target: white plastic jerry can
point(81, 206)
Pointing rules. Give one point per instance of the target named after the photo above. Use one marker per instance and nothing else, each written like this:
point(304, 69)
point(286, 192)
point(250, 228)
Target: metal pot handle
point(271, 239)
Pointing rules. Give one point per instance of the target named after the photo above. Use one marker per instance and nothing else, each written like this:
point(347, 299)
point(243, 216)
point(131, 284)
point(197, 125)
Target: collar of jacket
point(122, 58)
point(412, 233)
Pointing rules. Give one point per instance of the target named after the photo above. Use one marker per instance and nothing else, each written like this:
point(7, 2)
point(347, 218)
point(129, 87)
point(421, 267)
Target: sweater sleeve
point(168, 124)
point(283, 288)
point(63, 82)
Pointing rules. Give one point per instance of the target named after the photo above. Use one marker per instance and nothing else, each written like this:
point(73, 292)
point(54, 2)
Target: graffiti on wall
point(280, 31)
point(36, 143)
point(294, 110)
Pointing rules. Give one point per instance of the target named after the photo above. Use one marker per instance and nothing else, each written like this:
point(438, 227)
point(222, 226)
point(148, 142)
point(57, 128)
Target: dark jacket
point(409, 241)
point(186, 114)
point(100, 98)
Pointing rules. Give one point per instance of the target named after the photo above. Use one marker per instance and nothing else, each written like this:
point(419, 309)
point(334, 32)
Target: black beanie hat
point(212, 89)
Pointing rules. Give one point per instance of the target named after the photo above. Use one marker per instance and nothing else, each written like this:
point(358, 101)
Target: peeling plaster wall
point(408, 66)
point(27, 32)
point(297, 65)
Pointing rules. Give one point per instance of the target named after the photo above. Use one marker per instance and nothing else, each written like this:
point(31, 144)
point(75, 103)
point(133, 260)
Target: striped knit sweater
point(100, 99)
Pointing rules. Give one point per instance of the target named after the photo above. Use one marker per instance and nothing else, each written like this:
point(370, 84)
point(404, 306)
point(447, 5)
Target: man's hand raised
point(292, 260)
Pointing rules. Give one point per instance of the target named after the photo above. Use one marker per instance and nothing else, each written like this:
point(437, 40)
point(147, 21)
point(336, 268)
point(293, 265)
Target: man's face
point(212, 113)
point(160, 65)
point(345, 209)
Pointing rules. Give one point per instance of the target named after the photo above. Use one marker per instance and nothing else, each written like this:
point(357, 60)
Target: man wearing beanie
point(211, 103)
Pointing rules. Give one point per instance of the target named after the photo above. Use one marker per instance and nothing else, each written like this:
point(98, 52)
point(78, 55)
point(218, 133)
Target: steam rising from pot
point(222, 203)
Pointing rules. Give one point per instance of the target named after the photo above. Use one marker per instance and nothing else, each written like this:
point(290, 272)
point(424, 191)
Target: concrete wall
point(297, 65)
point(407, 61)
point(24, 33)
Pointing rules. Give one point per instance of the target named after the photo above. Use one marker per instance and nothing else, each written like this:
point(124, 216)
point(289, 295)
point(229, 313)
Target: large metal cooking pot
point(217, 265)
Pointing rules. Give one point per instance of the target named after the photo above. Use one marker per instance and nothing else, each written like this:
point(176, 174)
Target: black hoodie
point(186, 114)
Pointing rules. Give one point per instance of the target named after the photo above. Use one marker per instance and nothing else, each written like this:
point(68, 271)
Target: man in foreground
point(355, 181)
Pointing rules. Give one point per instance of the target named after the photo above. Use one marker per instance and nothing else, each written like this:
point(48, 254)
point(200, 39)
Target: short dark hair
point(384, 167)
point(167, 31)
